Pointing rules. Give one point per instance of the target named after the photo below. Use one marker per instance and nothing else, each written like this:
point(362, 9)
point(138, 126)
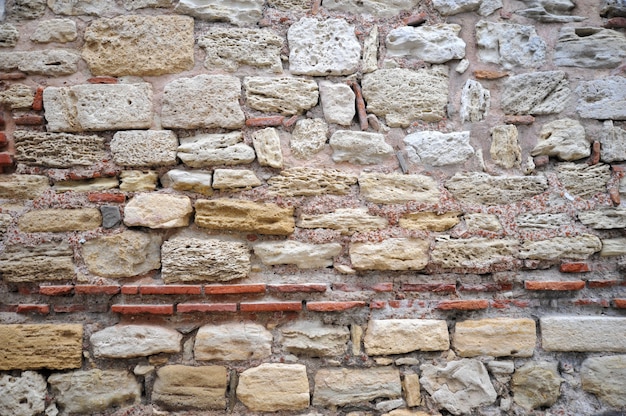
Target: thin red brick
point(519, 120)
point(506, 303)
point(578, 267)
point(619, 303)
point(171, 290)
point(554, 285)
point(28, 120)
point(233, 289)
point(463, 305)
point(416, 19)
point(97, 289)
point(106, 197)
point(206, 307)
point(33, 308)
point(290, 121)
point(6, 159)
point(489, 74)
point(334, 306)
point(377, 304)
point(60, 290)
point(2, 122)
point(3, 139)
point(102, 80)
point(27, 289)
point(594, 159)
point(486, 287)
point(600, 284)
point(591, 302)
point(270, 306)
point(12, 76)
point(8, 308)
point(360, 105)
point(143, 309)
point(130, 290)
point(271, 121)
point(38, 99)
point(297, 288)
point(429, 287)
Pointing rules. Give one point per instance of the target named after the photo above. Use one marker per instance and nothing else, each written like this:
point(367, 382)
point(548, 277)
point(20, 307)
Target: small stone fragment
point(244, 216)
point(613, 247)
point(510, 45)
point(58, 150)
point(309, 135)
point(179, 387)
point(477, 222)
point(337, 103)
point(158, 211)
point(303, 181)
point(359, 147)
point(240, 13)
point(267, 147)
point(206, 150)
point(138, 181)
point(191, 181)
point(144, 148)
point(111, 216)
point(233, 342)
point(395, 188)
point(26, 9)
point(303, 255)
point(370, 52)
point(435, 44)
point(536, 384)
point(127, 341)
point(564, 138)
point(56, 220)
point(346, 220)
point(411, 389)
point(439, 149)
point(343, 386)
point(55, 30)
point(377, 8)
point(542, 220)
point(606, 378)
point(399, 336)
point(505, 149)
point(289, 389)
point(81, 7)
point(234, 179)
point(390, 254)
point(286, 95)
point(314, 339)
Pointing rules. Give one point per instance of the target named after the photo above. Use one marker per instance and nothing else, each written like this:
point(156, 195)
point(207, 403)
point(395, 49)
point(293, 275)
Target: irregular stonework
point(32, 347)
point(240, 13)
point(130, 253)
point(47, 261)
point(439, 149)
point(267, 147)
point(606, 378)
point(473, 252)
point(580, 247)
point(302, 181)
point(22, 186)
point(303, 255)
point(96, 107)
point(429, 221)
point(244, 216)
point(24, 395)
point(58, 220)
point(602, 99)
point(475, 101)
point(309, 136)
point(50, 62)
point(582, 180)
point(17, 96)
point(314, 339)
point(399, 336)
point(346, 220)
point(390, 254)
point(564, 138)
point(403, 95)
point(509, 45)
point(536, 384)
point(204, 101)
point(205, 150)
point(394, 188)
point(234, 179)
point(233, 341)
point(612, 139)
point(583, 333)
point(452, 7)
point(55, 30)
point(158, 211)
point(505, 149)
point(184, 387)
point(495, 337)
point(488, 222)
point(378, 8)
point(229, 48)
point(536, 93)
point(481, 188)
point(192, 181)
point(590, 47)
point(138, 181)
point(191, 259)
point(359, 147)
point(342, 386)
point(127, 341)
point(288, 389)
point(542, 221)
point(337, 103)
point(58, 150)
point(613, 247)
point(458, 387)
point(144, 148)
point(434, 44)
point(284, 95)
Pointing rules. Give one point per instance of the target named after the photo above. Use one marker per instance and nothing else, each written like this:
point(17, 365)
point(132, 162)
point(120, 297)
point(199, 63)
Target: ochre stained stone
point(495, 337)
point(183, 387)
point(60, 220)
point(272, 387)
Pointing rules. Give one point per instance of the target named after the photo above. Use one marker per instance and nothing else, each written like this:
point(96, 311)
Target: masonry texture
point(312, 207)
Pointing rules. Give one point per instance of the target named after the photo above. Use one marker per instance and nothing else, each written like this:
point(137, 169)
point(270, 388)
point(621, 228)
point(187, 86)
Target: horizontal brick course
point(111, 197)
point(554, 285)
point(60, 290)
point(334, 306)
point(96, 290)
point(206, 307)
point(233, 289)
point(143, 309)
point(463, 305)
point(297, 288)
point(33, 308)
point(429, 287)
point(270, 306)
point(574, 267)
point(171, 290)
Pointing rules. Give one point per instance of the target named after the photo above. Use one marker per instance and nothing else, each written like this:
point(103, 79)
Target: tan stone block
point(430, 221)
point(390, 254)
point(498, 337)
point(579, 247)
point(274, 387)
point(302, 181)
point(583, 180)
point(233, 341)
point(395, 188)
point(22, 186)
point(481, 188)
point(192, 181)
point(346, 220)
point(285, 95)
point(342, 386)
point(267, 146)
point(138, 181)
point(158, 211)
point(183, 387)
point(49, 62)
point(411, 389)
point(505, 149)
point(473, 252)
point(583, 333)
point(17, 96)
point(58, 150)
point(55, 30)
point(235, 179)
point(46, 261)
point(60, 220)
point(399, 336)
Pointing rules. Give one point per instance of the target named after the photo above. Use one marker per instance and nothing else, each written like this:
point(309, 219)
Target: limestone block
point(191, 181)
point(233, 341)
point(46, 261)
point(488, 222)
point(458, 387)
point(337, 103)
point(36, 346)
point(509, 45)
point(542, 221)
point(204, 101)
point(188, 260)
point(244, 216)
point(234, 47)
point(612, 139)
point(239, 13)
point(604, 219)
point(303, 255)
point(505, 149)
point(394, 188)
point(144, 148)
point(590, 47)
point(434, 44)
point(127, 341)
point(323, 47)
point(370, 52)
point(55, 30)
point(26, 9)
point(411, 389)
point(142, 4)
point(429, 221)
point(23, 395)
point(138, 181)
point(473, 252)
point(579, 247)
point(302, 181)
point(314, 339)
point(496, 337)
point(58, 150)
point(360, 147)
point(284, 95)
point(378, 8)
point(390, 254)
point(87, 185)
point(274, 387)
point(81, 7)
point(50, 62)
point(266, 144)
point(17, 186)
point(452, 7)
point(537, 93)
point(17, 96)
point(606, 378)
point(183, 387)
point(438, 149)
point(583, 333)
point(295, 5)
point(481, 188)
point(343, 386)
point(613, 247)
point(235, 179)
point(309, 136)
point(536, 384)
point(582, 180)
point(550, 11)
point(403, 95)
point(475, 101)
point(90, 391)
point(563, 138)
point(158, 211)
point(399, 336)
point(56, 220)
point(205, 150)
point(346, 220)
point(612, 8)
point(130, 253)
point(96, 107)
point(602, 99)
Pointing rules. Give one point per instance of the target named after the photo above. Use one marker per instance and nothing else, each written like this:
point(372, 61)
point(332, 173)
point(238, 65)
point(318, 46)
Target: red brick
point(8, 308)
point(271, 121)
point(3, 139)
point(60, 290)
point(542, 160)
point(554, 285)
point(618, 22)
point(33, 308)
point(619, 303)
point(94, 308)
point(290, 121)
point(578, 267)
point(429, 287)
point(102, 80)
point(506, 303)
point(206, 307)
point(2, 122)
point(38, 99)
point(298, 288)
point(130, 290)
point(486, 287)
point(377, 304)
point(270, 306)
point(591, 302)
point(463, 305)
point(334, 306)
point(489, 74)
point(234, 289)
point(143, 309)
point(12, 76)
point(416, 19)
point(594, 159)
point(29, 120)
point(599, 284)
point(6, 159)
point(97, 289)
point(106, 197)
point(171, 290)
point(519, 120)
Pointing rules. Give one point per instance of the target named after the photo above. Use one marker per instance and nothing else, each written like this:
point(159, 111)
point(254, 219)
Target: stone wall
point(405, 207)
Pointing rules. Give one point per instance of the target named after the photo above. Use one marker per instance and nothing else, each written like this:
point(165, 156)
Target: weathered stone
point(452, 7)
point(315, 339)
point(603, 99)
point(406, 412)
point(337, 103)
point(342, 386)
point(564, 138)
point(55, 30)
point(612, 139)
point(542, 220)
point(360, 147)
point(378, 8)
point(346, 220)
point(127, 341)
point(439, 149)
point(481, 188)
point(509, 45)
point(295, 5)
point(47, 261)
point(22, 186)
point(144, 148)
point(395, 188)
point(50, 62)
point(204, 101)
point(411, 389)
point(536, 93)
point(229, 48)
point(32, 347)
point(536, 384)
point(81, 7)
point(429, 221)
point(283, 95)
point(266, 143)
point(495, 337)
point(234, 179)
point(244, 216)
point(370, 52)
point(96, 107)
point(288, 390)
point(434, 44)
point(505, 149)
point(309, 136)
point(5, 222)
point(473, 252)
point(192, 259)
point(206, 150)
point(579, 247)
point(58, 150)
point(192, 181)
point(403, 95)
point(613, 247)
point(475, 101)
point(399, 336)
point(302, 181)
point(390, 254)
point(26, 9)
point(23, 395)
point(550, 11)
point(590, 47)
point(303, 255)
point(142, 4)
point(85, 392)
point(8, 35)
point(582, 180)
point(158, 211)
point(180, 387)
point(111, 216)
point(240, 13)
point(604, 219)
point(17, 96)
point(57, 220)
point(606, 378)
point(130, 253)
point(583, 333)
point(233, 341)
point(476, 222)
point(138, 181)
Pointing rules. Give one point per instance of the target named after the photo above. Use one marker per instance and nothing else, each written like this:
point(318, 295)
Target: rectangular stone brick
point(171, 290)
point(463, 305)
point(270, 306)
point(334, 306)
point(206, 307)
point(233, 289)
point(33, 308)
point(485, 287)
point(244, 216)
point(539, 285)
point(143, 309)
point(399, 336)
point(495, 337)
point(97, 289)
point(583, 333)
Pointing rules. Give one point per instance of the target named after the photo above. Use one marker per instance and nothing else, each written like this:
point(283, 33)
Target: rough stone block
point(267, 147)
point(58, 220)
point(394, 188)
point(303, 255)
point(26, 9)
point(583, 180)
point(22, 186)
point(390, 254)
point(429, 221)
point(55, 30)
point(24, 395)
point(17, 96)
point(302, 181)
point(346, 220)
point(452, 7)
point(399, 336)
point(50, 62)
point(309, 136)
point(435, 44)
point(606, 378)
point(234, 179)
point(155, 210)
point(288, 389)
point(46, 261)
point(244, 216)
point(138, 181)
point(589, 47)
point(505, 149)
point(205, 150)
point(343, 386)
point(536, 384)
point(612, 139)
point(314, 339)
point(181, 387)
point(564, 138)
point(542, 221)
point(191, 181)
point(360, 147)
point(58, 150)
point(536, 93)
point(337, 103)
point(377, 8)
point(510, 45)
point(579, 247)
point(283, 95)
point(81, 7)
point(475, 101)
point(144, 148)
point(496, 337)
point(473, 252)
point(439, 149)
point(613, 247)
point(583, 333)
point(233, 341)
point(239, 13)
point(602, 99)
point(481, 188)
point(604, 219)
point(127, 341)
point(88, 185)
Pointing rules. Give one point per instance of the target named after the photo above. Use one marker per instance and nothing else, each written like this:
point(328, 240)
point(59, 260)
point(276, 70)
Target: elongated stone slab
point(590, 47)
point(127, 341)
point(244, 216)
point(51, 62)
point(155, 210)
point(435, 44)
point(288, 389)
point(439, 149)
point(183, 387)
point(495, 337)
point(395, 188)
point(358, 147)
point(430, 221)
point(481, 188)
point(233, 342)
point(192, 181)
point(22, 186)
point(239, 13)
point(314, 338)
point(282, 95)
point(399, 336)
point(583, 333)
point(579, 247)
point(303, 255)
point(205, 150)
point(390, 254)
point(473, 252)
point(604, 219)
point(58, 150)
point(47, 261)
point(346, 220)
point(302, 181)
point(57, 220)
point(583, 180)
point(342, 386)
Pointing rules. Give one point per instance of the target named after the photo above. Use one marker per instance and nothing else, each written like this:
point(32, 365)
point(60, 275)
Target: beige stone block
point(360, 147)
point(337, 102)
point(274, 387)
point(613, 247)
point(481, 188)
point(50, 62)
point(55, 30)
point(604, 218)
point(399, 336)
point(155, 210)
point(303, 255)
point(498, 337)
point(314, 339)
point(206, 150)
point(235, 179)
point(430, 221)
point(564, 138)
point(17, 96)
point(138, 181)
point(283, 95)
point(183, 387)
point(88, 185)
point(395, 188)
point(583, 333)
point(411, 389)
point(505, 149)
point(606, 378)
point(57, 220)
point(9, 34)
point(343, 386)
point(17, 186)
point(390, 254)
point(476, 222)
point(267, 146)
point(309, 136)
point(58, 150)
point(192, 181)
point(144, 148)
point(46, 261)
point(377, 8)
point(302, 181)
point(233, 342)
point(473, 252)
point(346, 220)
point(240, 13)
point(23, 395)
point(583, 180)
point(579, 247)
point(129, 341)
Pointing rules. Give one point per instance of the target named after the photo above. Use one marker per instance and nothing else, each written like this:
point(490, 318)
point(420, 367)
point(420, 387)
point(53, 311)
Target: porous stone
point(309, 136)
point(613, 247)
point(394, 188)
point(144, 148)
point(192, 259)
point(360, 147)
point(192, 181)
point(81, 7)
point(233, 341)
point(370, 52)
point(403, 95)
point(606, 378)
point(5, 221)
point(266, 144)
point(378, 8)
point(46, 261)
point(550, 11)
point(390, 254)
point(563, 138)
point(55, 30)
point(590, 47)
point(8, 35)
point(536, 384)
point(542, 220)
point(58, 150)
point(284, 95)
point(434, 44)
point(288, 389)
point(346, 220)
point(295, 5)
point(343, 386)
point(475, 101)
point(583, 333)
point(244, 216)
point(96, 107)
point(509, 45)
point(505, 149)
point(429, 221)
point(138, 181)
point(230, 48)
point(604, 219)
point(56, 220)
point(538, 93)
point(337, 103)
point(452, 7)
point(602, 99)
point(399, 336)
point(314, 339)
point(182, 387)
point(17, 96)
point(154, 210)
point(612, 139)
point(495, 337)
point(303, 181)
point(473, 252)
point(25, 9)
point(50, 62)
point(579, 247)
point(488, 222)
point(36, 346)
point(143, 4)
point(205, 150)
point(481, 188)
point(204, 101)
point(612, 8)
point(303, 255)
point(240, 13)
point(234, 179)
point(17, 186)
point(582, 180)
point(23, 395)
point(127, 341)
point(438, 149)
point(87, 185)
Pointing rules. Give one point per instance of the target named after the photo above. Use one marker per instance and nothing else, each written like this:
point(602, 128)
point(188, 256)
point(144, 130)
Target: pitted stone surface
point(579, 247)
point(602, 99)
point(126, 341)
point(590, 47)
point(234, 179)
point(25, 9)
point(312, 338)
point(563, 138)
point(434, 44)
point(604, 219)
point(583, 333)
point(542, 221)
point(56, 220)
point(337, 103)
point(206, 150)
point(158, 211)
point(481, 188)
point(22, 186)
point(303, 255)
point(430, 221)
point(55, 30)
point(17, 96)
point(244, 216)
point(239, 13)
point(302, 181)
point(81, 7)
point(394, 188)
point(473, 252)
point(50, 62)
point(46, 261)
point(283, 95)
point(439, 149)
point(346, 220)
point(295, 5)
point(143, 4)
point(582, 180)
point(24, 395)
point(309, 136)
point(390, 254)
point(452, 7)
point(266, 144)
point(144, 148)
point(510, 45)
point(475, 101)
point(612, 139)
point(537, 93)
point(613, 247)
point(138, 181)
point(488, 222)
point(399, 336)
point(288, 390)
point(505, 149)
point(191, 181)
point(550, 11)
point(360, 147)
point(606, 378)
point(58, 150)
point(343, 386)
point(536, 384)
point(233, 341)
point(378, 8)
point(181, 387)
point(495, 337)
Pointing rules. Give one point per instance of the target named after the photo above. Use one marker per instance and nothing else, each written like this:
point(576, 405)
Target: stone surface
point(266, 144)
point(378, 8)
point(602, 99)
point(606, 378)
point(611, 8)
point(22, 186)
point(240, 13)
point(481, 188)
point(403, 95)
point(186, 387)
point(49, 62)
point(563, 138)
point(234, 179)
point(17, 96)
point(370, 52)
point(542, 220)
point(337, 103)
point(360, 147)
point(155, 210)
point(314, 339)
point(399, 336)
point(303, 181)
point(80, 7)
point(144, 148)
point(205, 150)
point(590, 47)
point(429, 221)
point(509, 45)
point(24, 395)
point(56, 220)
point(309, 136)
point(604, 219)
point(295, 5)
point(536, 93)
point(580, 247)
point(438, 149)
point(127, 341)
point(138, 181)
point(583, 333)
point(233, 341)
point(488, 222)
point(191, 181)
point(582, 180)
point(475, 101)
point(58, 150)
point(346, 220)
point(244, 216)
point(452, 7)
point(536, 384)
point(88, 185)
point(613, 247)
point(204, 101)
point(46, 261)
point(343, 386)
point(394, 188)
point(390, 254)
point(303, 255)
point(111, 216)
point(473, 252)
point(289, 389)
point(96, 107)
point(505, 149)
point(36, 346)
point(434, 44)
point(495, 337)
point(612, 139)
point(55, 30)
point(26, 9)
point(411, 389)
point(550, 11)
point(192, 259)
point(284, 95)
